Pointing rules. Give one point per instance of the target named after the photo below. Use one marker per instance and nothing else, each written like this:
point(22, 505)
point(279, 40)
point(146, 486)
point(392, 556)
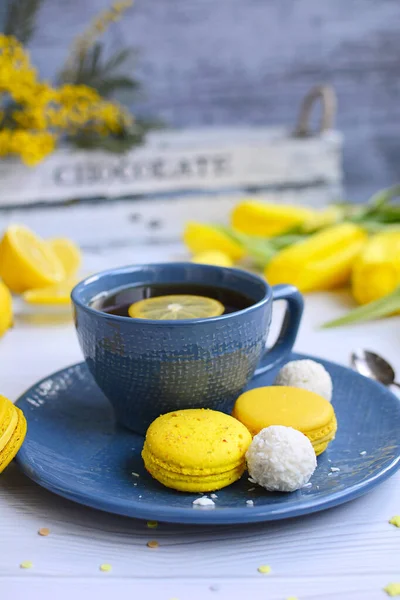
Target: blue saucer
point(75, 449)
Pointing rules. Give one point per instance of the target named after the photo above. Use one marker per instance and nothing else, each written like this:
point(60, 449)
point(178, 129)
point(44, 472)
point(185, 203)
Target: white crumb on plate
point(307, 485)
point(135, 474)
point(251, 489)
point(363, 453)
point(249, 502)
point(135, 484)
point(213, 496)
point(335, 469)
point(203, 501)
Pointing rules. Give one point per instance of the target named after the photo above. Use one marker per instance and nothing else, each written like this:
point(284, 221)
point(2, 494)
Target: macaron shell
point(9, 451)
point(8, 423)
point(172, 468)
point(293, 407)
point(327, 434)
point(6, 410)
point(196, 450)
point(185, 482)
point(198, 441)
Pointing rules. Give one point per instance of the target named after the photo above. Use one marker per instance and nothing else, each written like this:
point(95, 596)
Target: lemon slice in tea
point(176, 307)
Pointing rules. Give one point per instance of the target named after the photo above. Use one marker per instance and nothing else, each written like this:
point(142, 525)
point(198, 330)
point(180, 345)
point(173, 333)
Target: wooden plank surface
point(205, 62)
point(350, 552)
point(126, 224)
point(209, 159)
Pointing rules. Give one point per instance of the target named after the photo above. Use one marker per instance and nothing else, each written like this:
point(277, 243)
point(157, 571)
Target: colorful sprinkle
point(153, 544)
point(264, 569)
point(152, 524)
point(395, 521)
point(44, 531)
point(105, 567)
point(27, 564)
point(393, 589)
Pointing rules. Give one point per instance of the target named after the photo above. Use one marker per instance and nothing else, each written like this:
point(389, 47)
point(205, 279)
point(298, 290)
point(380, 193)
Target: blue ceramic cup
point(147, 368)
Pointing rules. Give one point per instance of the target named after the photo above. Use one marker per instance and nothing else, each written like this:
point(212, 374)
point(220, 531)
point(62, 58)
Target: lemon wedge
point(52, 295)
point(6, 315)
point(68, 253)
point(27, 261)
point(176, 307)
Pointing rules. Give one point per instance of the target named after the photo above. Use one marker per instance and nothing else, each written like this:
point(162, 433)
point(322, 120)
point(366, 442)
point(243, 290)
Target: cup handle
point(290, 327)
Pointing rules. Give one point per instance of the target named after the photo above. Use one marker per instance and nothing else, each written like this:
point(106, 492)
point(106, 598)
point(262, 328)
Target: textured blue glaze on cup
point(147, 368)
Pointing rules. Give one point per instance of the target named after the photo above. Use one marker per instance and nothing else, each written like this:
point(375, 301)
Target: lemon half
point(59, 294)
point(27, 261)
point(6, 313)
point(176, 307)
point(68, 253)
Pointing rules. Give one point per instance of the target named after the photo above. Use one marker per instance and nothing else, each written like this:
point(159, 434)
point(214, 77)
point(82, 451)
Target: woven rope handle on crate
point(326, 94)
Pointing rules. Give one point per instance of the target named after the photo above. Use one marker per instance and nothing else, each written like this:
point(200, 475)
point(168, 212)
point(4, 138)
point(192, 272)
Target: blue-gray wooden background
point(251, 62)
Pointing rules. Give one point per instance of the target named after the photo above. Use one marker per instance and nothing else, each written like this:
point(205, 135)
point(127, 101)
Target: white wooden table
point(346, 552)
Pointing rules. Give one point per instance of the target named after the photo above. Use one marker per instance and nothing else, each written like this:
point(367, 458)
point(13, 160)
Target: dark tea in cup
point(117, 302)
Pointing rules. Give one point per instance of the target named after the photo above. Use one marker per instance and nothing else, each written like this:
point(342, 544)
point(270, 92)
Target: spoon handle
point(396, 384)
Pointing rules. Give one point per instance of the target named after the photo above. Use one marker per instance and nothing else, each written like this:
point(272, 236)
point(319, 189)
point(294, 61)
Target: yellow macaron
point(12, 431)
point(196, 450)
point(293, 407)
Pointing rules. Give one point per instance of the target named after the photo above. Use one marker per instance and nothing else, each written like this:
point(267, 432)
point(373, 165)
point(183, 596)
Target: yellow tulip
point(199, 237)
point(213, 257)
point(265, 220)
point(321, 262)
point(376, 272)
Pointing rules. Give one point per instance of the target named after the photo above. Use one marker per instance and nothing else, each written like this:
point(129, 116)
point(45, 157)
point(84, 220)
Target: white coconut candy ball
point(281, 459)
point(306, 374)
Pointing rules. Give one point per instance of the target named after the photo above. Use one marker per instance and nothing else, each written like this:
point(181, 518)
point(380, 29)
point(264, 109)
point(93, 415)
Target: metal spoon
point(374, 366)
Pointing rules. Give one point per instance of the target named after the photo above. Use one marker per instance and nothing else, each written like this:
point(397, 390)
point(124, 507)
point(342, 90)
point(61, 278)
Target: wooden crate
point(149, 192)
